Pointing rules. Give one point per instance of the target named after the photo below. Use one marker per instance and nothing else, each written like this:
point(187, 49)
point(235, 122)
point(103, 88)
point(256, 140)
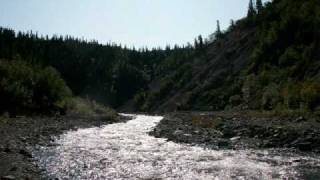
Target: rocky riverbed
point(126, 151)
point(20, 135)
point(231, 130)
point(213, 130)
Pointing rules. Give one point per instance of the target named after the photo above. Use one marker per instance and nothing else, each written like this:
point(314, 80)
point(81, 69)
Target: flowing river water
point(126, 151)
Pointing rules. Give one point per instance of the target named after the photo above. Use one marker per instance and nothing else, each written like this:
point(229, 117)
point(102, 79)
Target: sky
point(139, 23)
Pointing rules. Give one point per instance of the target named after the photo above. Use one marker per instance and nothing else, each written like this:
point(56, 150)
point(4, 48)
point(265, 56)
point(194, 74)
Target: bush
point(140, 99)
point(270, 97)
point(50, 89)
point(86, 107)
point(28, 88)
point(310, 94)
point(235, 100)
point(206, 121)
point(291, 56)
point(291, 95)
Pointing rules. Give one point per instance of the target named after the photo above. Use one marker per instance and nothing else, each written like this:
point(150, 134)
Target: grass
point(4, 118)
point(284, 113)
point(206, 121)
point(88, 107)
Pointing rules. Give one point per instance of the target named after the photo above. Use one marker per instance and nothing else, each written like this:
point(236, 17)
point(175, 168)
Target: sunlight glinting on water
point(125, 150)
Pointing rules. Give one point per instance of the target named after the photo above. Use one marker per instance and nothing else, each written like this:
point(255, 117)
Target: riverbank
point(216, 130)
point(20, 135)
point(235, 130)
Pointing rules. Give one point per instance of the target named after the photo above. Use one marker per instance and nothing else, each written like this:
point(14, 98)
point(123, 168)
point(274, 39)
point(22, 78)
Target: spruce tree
point(218, 31)
point(200, 39)
point(232, 23)
point(259, 5)
point(196, 43)
point(218, 27)
point(251, 10)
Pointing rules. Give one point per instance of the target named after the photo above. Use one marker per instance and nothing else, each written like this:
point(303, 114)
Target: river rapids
point(126, 151)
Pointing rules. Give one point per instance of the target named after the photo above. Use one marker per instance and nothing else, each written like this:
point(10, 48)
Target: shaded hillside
point(269, 60)
point(266, 61)
point(197, 82)
point(109, 73)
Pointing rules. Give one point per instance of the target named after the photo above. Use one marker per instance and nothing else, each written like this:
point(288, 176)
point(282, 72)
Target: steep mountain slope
point(269, 60)
point(215, 68)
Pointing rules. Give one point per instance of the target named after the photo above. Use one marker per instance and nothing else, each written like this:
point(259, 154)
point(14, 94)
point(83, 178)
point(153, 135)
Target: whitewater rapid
point(126, 151)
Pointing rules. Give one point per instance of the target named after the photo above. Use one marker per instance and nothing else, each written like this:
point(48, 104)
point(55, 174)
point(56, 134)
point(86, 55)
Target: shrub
point(291, 56)
point(140, 99)
point(235, 100)
point(50, 89)
point(310, 94)
point(206, 121)
point(28, 88)
point(270, 97)
point(291, 95)
point(86, 107)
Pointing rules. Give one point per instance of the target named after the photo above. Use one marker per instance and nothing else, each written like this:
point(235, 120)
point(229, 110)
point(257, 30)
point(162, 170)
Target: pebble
point(235, 138)
point(300, 119)
point(177, 132)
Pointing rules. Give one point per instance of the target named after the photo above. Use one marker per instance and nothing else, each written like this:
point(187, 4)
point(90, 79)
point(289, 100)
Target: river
point(126, 151)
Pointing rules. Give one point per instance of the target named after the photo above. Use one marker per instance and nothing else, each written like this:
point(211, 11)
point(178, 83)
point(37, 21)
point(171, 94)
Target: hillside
point(205, 81)
point(243, 103)
point(267, 61)
point(109, 74)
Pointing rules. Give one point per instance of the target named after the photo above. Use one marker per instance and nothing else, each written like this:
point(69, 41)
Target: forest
point(109, 74)
point(268, 60)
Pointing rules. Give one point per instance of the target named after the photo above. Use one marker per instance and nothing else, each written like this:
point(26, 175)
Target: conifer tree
point(218, 31)
point(196, 43)
point(259, 5)
point(251, 10)
point(218, 27)
point(200, 39)
point(232, 23)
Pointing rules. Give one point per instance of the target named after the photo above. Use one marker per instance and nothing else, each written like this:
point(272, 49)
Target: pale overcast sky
point(132, 22)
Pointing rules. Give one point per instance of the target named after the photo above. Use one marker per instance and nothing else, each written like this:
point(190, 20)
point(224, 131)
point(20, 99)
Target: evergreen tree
point(218, 31)
point(200, 39)
point(218, 27)
point(251, 10)
point(259, 6)
point(196, 43)
point(232, 25)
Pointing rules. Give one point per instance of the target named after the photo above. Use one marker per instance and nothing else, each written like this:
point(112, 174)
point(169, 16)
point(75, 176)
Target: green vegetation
point(4, 118)
point(286, 60)
point(282, 73)
point(110, 74)
point(87, 107)
point(206, 121)
point(27, 88)
point(268, 61)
